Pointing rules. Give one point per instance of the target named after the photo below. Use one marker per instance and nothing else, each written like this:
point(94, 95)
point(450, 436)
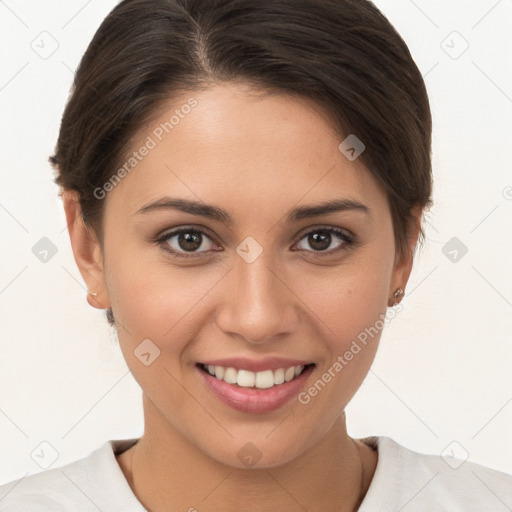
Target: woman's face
point(256, 292)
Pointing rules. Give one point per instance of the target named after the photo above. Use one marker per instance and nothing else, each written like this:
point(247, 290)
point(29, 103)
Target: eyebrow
point(216, 213)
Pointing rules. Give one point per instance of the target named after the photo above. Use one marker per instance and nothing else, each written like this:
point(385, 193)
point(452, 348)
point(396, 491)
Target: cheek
point(350, 309)
point(352, 315)
point(348, 298)
point(154, 300)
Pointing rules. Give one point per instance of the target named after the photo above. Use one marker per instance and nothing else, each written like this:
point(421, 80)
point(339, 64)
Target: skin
point(257, 156)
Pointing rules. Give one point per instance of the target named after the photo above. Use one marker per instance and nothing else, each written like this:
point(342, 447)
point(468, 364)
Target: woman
point(244, 184)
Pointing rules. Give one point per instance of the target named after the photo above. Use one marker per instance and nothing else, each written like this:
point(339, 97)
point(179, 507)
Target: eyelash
point(348, 241)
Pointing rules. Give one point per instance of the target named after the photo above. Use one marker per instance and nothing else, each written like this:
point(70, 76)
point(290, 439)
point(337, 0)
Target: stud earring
point(398, 296)
point(94, 294)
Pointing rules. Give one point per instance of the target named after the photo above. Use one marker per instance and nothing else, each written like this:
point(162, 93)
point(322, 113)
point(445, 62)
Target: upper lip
point(256, 365)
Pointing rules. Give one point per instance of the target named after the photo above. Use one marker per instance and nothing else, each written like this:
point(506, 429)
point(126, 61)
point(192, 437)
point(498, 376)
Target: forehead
point(241, 148)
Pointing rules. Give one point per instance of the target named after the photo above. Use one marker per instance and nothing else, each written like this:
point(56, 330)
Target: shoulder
point(410, 481)
point(53, 489)
point(93, 483)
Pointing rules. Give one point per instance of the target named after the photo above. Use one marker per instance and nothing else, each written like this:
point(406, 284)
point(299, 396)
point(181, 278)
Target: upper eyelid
point(327, 228)
point(170, 232)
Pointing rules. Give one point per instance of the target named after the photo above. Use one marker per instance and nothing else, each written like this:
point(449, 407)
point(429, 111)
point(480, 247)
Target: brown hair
point(342, 54)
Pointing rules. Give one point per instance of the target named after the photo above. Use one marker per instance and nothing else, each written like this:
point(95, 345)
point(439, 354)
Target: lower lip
point(253, 399)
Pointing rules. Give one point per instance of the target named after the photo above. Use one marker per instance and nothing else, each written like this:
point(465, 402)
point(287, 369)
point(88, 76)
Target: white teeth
point(230, 376)
point(289, 374)
point(262, 380)
point(245, 378)
point(219, 372)
point(279, 376)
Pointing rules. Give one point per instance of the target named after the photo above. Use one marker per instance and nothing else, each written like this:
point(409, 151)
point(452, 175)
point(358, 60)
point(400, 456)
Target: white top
point(404, 481)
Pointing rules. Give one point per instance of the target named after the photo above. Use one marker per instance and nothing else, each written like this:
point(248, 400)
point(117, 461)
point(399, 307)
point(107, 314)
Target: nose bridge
point(257, 305)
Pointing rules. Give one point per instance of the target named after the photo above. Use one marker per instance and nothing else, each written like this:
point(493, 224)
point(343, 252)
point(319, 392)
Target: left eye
point(321, 240)
point(187, 240)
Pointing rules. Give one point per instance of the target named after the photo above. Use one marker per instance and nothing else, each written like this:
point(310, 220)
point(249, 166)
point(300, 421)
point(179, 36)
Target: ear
point(86, 250)
point(403, 266)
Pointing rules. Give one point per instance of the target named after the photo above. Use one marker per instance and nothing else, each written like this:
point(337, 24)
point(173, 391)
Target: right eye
point(186, 242)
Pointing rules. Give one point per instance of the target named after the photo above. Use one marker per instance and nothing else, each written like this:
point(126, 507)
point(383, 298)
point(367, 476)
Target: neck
point(167, 472)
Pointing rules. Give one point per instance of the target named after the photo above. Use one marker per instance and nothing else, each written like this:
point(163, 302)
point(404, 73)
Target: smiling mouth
point(265, 379)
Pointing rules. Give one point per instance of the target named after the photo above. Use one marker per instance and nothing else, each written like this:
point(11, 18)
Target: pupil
point(320, 240)
point(189, 241)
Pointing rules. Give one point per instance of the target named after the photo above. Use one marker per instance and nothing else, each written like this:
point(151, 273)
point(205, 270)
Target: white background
point(442, 373)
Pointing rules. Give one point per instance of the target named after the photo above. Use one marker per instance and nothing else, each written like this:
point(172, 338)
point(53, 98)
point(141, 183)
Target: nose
point(257, 303)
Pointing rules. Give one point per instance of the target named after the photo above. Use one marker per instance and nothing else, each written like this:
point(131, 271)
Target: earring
point(398, 296)
point(94, 294)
